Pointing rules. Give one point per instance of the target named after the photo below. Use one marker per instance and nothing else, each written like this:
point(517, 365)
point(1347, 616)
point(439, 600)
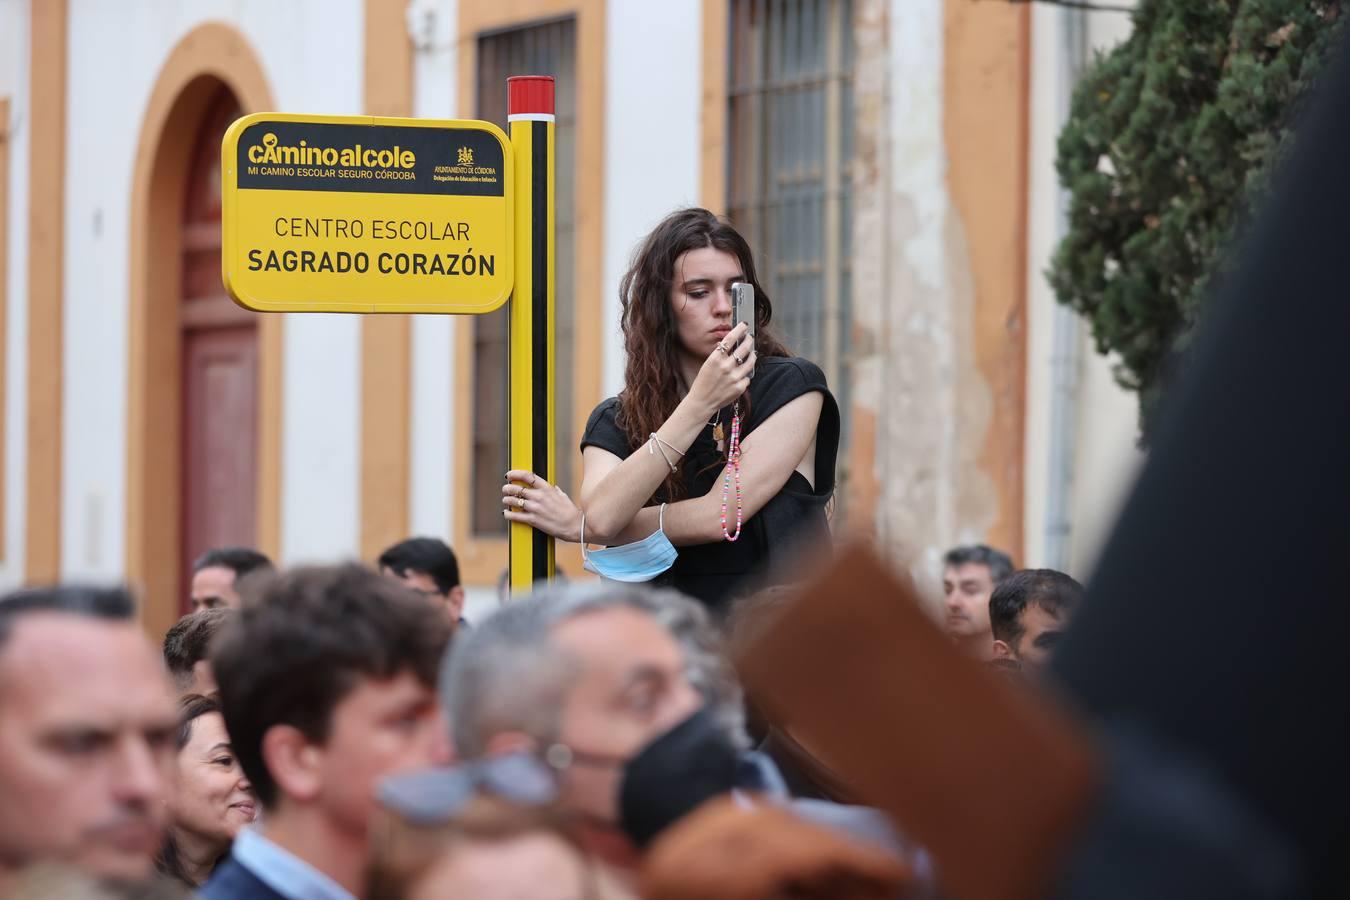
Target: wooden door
point(220, 391)
point(219, 368)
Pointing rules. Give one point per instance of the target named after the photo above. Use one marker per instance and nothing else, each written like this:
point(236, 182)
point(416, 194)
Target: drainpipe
point(1065, 361)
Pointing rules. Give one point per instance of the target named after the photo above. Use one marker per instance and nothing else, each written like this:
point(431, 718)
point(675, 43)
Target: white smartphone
point(743, 307)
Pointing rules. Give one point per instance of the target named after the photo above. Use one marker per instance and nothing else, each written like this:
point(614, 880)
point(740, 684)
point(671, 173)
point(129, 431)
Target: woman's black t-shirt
point(793, 520)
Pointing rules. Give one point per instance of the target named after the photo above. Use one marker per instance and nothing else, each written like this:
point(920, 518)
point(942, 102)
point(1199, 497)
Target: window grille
point(789, 163)
point(544, 48)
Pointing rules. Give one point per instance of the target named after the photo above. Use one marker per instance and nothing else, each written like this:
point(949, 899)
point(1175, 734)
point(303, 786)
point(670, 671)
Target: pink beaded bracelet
point(733, 470)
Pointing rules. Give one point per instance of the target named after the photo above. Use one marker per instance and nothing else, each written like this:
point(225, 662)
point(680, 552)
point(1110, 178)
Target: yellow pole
point(530, 115)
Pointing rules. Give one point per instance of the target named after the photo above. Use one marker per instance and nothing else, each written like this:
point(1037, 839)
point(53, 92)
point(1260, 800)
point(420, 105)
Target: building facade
point(891, 162)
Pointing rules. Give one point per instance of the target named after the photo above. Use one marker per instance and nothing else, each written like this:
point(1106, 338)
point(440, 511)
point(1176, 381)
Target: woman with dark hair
point(210, 799)
point(720, 445)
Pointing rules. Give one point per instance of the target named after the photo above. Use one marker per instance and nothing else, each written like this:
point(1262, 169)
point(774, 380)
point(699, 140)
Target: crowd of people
point(340, 731)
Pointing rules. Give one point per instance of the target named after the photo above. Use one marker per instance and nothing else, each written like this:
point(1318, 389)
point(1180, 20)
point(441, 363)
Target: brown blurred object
point(724, 851)
point(1010, 670)
point(805, 773)
point(991, 780)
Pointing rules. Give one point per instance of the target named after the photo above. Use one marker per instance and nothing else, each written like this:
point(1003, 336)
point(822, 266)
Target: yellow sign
point(365, 214)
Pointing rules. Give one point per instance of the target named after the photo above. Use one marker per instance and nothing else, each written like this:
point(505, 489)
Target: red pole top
point(529, 95)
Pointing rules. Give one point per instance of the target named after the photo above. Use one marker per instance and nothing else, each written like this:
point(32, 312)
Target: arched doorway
point(219, 374)
point(196, 475)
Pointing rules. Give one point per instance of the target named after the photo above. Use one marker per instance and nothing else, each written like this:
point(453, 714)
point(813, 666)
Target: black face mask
point(692, 763)
point(689, 764)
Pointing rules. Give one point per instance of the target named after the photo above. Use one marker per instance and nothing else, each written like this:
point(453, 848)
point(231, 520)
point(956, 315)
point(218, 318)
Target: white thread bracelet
point(655, 443)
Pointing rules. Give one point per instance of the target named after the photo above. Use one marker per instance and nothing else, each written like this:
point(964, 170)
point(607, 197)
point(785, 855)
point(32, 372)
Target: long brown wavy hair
point(653, 386)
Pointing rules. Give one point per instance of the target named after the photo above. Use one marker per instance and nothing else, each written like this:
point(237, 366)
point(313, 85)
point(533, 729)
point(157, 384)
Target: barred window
point(544, 48)
point(790, 155)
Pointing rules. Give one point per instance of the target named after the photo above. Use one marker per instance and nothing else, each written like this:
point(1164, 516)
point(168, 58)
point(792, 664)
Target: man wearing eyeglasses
point(634, 723)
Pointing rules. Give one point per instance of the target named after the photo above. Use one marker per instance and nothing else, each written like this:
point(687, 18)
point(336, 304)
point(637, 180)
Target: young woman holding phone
point(712, 469)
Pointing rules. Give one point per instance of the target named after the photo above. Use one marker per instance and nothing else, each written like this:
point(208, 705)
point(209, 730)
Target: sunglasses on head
point(437, 796)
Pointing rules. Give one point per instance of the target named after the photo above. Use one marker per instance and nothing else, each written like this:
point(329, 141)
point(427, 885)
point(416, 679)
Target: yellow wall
point(713, 124)
point(46, 224)
point(986, 84)
point(386, 340)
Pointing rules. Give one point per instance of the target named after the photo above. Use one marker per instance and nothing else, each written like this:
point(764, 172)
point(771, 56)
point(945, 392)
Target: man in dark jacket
point(327, 682)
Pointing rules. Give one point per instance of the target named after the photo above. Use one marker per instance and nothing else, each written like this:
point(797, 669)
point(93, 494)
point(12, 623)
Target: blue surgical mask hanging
point(639, 561)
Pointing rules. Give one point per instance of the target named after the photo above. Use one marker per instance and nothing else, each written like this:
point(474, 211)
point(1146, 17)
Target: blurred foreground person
point(210, 800)
point(593, 681)
point(599, 690)
point(488, 830)
point(55, 881)
point(724, 851)
point(969, 577)
point(86, 734)
point(186, 648)
point(1028, 614)
point(428, 566)
point(216, 574)
point(1243, 674)
point(327, 682)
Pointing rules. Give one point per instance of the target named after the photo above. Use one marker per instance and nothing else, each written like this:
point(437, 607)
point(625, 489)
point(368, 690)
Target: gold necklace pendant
point(718, 434)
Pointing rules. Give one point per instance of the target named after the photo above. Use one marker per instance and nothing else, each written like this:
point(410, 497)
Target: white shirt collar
point(283, 871)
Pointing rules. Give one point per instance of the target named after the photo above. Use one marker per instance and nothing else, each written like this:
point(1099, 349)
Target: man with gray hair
point(591, 682)
point(623, 691)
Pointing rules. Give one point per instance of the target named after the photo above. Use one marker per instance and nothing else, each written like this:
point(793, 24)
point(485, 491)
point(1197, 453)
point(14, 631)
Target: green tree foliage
point(1168, 144)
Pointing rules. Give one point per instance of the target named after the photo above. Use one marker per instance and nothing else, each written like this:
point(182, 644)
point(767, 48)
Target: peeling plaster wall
point(928, 335)
point(937, 363)
point(871, 278)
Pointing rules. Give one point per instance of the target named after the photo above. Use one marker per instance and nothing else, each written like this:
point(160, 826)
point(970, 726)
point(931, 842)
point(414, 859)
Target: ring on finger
point(740, 360)
point(723, 347)
point(520, 502)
